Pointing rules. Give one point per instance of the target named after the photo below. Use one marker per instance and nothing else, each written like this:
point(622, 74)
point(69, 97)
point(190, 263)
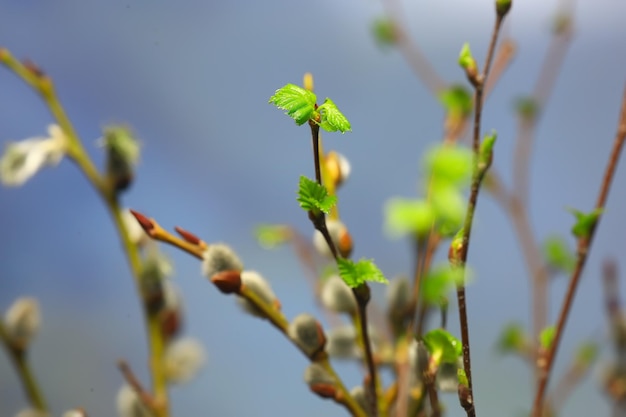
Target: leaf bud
point(22, 321)
point(468, 63)
point(503, 7)
point(307, 333)
point(122, 150)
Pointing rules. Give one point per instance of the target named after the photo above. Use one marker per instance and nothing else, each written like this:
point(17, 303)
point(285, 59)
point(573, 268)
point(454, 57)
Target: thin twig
point(584, 245)
point(144, 396)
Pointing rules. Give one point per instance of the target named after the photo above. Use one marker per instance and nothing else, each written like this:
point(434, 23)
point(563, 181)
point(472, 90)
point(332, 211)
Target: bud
point(171, 317)
point(340, 237)
point(398, 298)
point(418, 358)
point(136, 233)
point(337, 167)
point(503, 7)
point(122, 151)
point(320, 381)
point(337, 296)
point(485, 155)
point(257, 284)
point(342, 343)
point(129, 404)
point(455, 250)
point(79, 412)
point(228, 282)
point(218, 258)
point(183, 360)
point(307, 333)
point(156, 269)
point(468, 63)
point(22, 321)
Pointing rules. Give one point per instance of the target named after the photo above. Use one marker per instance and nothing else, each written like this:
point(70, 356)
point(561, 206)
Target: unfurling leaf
point(332, 119)
point(357, 273)
point(314, 196)
point(584, 222)
point(443, 346)
point(297, 102)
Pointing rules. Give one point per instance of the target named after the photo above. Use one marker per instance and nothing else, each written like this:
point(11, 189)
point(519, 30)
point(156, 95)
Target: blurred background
point(193, 79)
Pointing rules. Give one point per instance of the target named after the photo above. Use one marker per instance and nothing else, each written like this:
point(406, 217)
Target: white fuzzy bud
point(22, 321)
point(337, 296)
point(135, 232)
point(339, 235)
point(129, 404)
point(307, 333)
point(183, 360)
point(342, 343)
point(257, 284)
point(219, 257)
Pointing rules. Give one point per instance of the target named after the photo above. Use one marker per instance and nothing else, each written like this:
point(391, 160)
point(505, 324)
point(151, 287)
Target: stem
point(584, 245)
point(27, 378)
point(477, 177)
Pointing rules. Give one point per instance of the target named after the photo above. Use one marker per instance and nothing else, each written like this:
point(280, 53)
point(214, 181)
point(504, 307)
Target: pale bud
point(257, 284)
point(320, 381)
point(342, 343)
point(337, 296)
point(339, 235)
point(219, 257)
point(307, 333)
point(32, 412)
point(338, 167)
point(129, 404)
point(22, 321)
point(183, 360)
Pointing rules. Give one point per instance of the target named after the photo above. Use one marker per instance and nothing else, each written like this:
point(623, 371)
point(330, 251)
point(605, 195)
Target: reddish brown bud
point(171, 323)
point(324, 390)
point(188, 236)
point(146, 224)
point(228, 282)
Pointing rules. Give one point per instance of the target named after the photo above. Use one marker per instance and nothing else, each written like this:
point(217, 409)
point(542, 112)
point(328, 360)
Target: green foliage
point(439, 281)
point(485, 155)
point(357, 273)
point(584, 222)
point(462, 377)
point(120, 141)
point(270, 236)
point(313, 196)
point(297, 102)
point(449, 206)
point(443, 347)
point(512, 339)
point(457, 100)
point(332, 119)
point(558, 255)
point(408, 216)
point(385, 32)
point(448, 165)
point(546, 337)
point(466, 60)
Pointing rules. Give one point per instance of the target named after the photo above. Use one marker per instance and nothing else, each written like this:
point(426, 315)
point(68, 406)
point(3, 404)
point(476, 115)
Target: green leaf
point(439, 281)
point(443, 347)
point(385, 32)
point(449, 207)
point(558, 255)
point(297, 102)
point(357, 273)
point(270, 236)
point(466, 60)
point(486, 151)
point(314, 196)
point(449, 165)
point(408, 216)
point(332, 119)
point(457, 100)
point(462, 377)
point(584, 222)
point(512, 339)
point(546, 337)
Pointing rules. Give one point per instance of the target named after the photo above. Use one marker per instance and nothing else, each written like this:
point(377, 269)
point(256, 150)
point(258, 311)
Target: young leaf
point(457, 100)
point(408, 216)
point(441, 344)
point(547, 336)
point(584, 222)
point(385, 32)
point(558, 255)
point(357, 273)
point(332, 119)
point(466, 60)
point(512, 339)
point(439, 281)
point(297, 102)
point(314, 196)
point(271, 235)
point(449, 165)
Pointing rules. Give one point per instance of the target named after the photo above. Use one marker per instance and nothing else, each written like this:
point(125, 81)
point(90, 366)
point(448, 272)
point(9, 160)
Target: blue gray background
point(193, 79)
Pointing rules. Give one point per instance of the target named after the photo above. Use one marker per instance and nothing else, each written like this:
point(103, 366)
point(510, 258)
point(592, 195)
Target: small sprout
point(462, 377)
point(22, 321)
point(443, 347)
point(485, 156)
point(512, 339)
point(129, 404)
point(336, 296)
point(183, 360)
point(21, 160)
point(503, 7)
point(339, 235)
point(122, 150)
point(558, 255)
point(307, 333)
point(337, 168)
point(527, 108)
point(219, 258)
point(455, 251)
point(257, 284)
point(408, 216)
point(270, 236)
point(319, 381)
point(546, 337)
point(297, 102)
point(342, 343)
point(385, 32)
point(314, 197)
point(358, 273)
point(332, 120)
point(468, 63)
point(585, 222)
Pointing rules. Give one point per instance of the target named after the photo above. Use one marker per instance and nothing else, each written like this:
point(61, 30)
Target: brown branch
point(584, 245)
point(144, 396)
